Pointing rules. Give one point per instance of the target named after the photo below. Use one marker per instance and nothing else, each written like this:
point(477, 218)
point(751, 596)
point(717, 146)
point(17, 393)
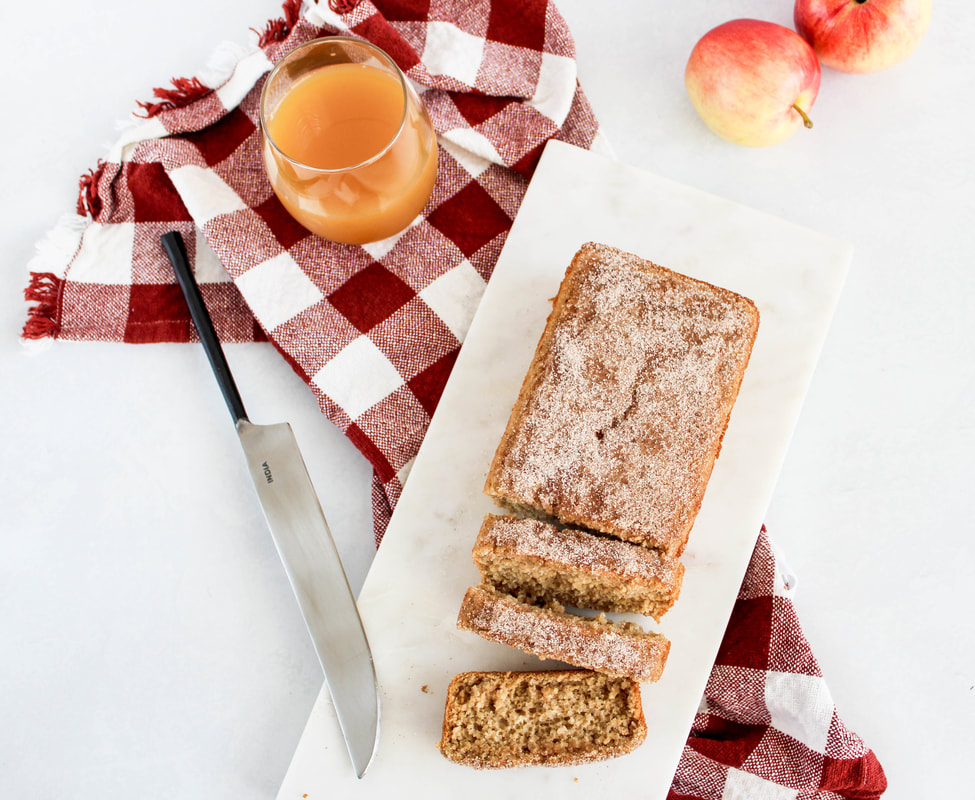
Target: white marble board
point(411, 596)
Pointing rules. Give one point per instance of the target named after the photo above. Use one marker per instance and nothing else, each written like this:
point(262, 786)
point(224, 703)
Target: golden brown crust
point(619, 649)
point(544, 563)
point(496, 720)
point(622, 412)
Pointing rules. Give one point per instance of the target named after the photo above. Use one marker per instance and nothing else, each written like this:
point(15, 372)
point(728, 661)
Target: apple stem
point(805, 117)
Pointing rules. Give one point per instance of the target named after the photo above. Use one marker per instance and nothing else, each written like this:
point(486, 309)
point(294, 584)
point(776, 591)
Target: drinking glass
point(348, 146)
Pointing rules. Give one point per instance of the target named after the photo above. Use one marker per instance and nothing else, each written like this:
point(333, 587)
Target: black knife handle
point(173, 244)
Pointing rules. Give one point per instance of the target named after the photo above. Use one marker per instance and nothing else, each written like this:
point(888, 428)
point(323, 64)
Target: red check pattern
point(375, 330)
point(767, 726)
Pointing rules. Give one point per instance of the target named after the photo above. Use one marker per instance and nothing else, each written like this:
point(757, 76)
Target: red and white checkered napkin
point(375, 330)
point(767, 728)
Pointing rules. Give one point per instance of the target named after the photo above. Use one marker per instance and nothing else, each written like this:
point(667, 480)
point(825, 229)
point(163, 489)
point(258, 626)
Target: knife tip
point(361, 761)
point(360, 769)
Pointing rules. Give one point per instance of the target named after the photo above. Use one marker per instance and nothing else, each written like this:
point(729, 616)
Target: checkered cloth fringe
point(375, 330)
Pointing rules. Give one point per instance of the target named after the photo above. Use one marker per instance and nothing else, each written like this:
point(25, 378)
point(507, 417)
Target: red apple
point(862, 35)
point(753, 82)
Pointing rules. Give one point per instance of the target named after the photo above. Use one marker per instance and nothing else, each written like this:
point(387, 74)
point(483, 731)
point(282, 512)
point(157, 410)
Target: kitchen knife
point(303, 540)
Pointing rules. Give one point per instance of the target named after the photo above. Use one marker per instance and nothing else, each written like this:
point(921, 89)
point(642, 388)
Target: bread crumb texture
point(509, 719)
point(541, 563)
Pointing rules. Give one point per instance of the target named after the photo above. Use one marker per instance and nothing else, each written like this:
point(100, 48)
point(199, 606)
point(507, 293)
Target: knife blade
point(302, 538)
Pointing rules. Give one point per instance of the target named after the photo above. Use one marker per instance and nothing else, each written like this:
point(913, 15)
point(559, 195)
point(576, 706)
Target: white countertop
point(150, 643)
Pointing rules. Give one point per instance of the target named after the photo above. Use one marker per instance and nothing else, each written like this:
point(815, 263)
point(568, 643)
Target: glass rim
point(384, 56)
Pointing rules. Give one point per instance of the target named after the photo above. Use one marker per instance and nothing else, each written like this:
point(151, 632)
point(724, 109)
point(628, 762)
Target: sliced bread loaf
point(514, 719)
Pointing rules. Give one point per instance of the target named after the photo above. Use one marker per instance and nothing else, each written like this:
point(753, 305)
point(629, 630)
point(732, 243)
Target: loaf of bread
point(541, 563)
point(623, 409)
point(622, 649)
point(517, 719)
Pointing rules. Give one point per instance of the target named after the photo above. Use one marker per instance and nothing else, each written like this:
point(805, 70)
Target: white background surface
point(150, 645)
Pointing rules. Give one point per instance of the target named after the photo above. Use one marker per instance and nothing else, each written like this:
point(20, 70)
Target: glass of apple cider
point(348, 146)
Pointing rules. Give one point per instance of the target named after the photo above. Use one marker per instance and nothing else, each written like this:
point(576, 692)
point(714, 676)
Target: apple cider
point(349, 148)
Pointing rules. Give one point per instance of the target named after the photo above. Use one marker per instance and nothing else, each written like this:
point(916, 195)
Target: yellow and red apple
point(753, 82)
point(862, 35)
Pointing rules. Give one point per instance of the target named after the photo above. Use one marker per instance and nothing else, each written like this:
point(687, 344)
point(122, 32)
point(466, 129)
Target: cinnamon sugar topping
point(569, 548)
point(620, 649)
point(541, 563)
point(622, 413)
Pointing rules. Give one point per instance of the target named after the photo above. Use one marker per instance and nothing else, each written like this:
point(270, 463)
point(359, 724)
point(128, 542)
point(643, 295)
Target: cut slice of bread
point(516, 719)
point(542, 563)
point(626, 401)
point(622, 649)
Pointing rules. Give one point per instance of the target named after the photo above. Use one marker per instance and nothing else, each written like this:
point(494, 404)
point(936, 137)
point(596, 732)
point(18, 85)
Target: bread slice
point(518, 719)
point(621, 649)
point(623, 409)
point(542, 563)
